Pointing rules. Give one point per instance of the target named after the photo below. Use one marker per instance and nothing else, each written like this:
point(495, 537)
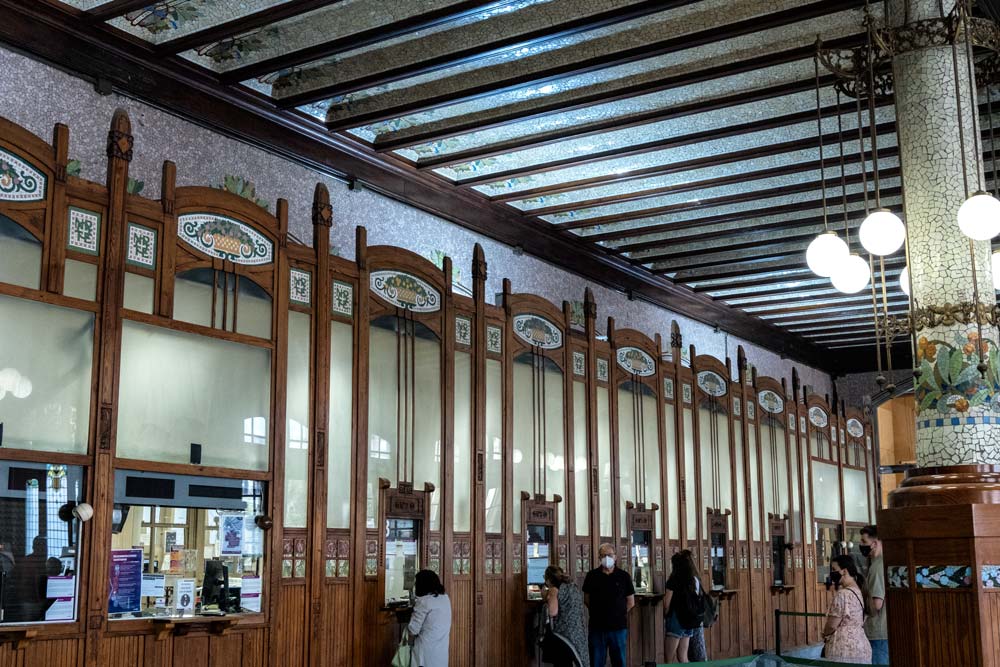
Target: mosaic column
point(958, 414)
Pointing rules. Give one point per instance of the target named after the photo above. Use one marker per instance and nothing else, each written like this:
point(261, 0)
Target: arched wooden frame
point(581, 352)
point(669, 437)
point(372, 306)
point(772, 519)
point(865, 454)
point(644, 515)
point(822, 594)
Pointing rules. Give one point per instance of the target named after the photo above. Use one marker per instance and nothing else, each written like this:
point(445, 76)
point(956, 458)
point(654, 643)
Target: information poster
point(152, 585)
point(232, 535)
point(125, 581)
point(250, 588)
point(185, 594)
point(62, 592)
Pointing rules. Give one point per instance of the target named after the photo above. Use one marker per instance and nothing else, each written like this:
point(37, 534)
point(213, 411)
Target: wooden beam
point(45, 33)
point(115, 8)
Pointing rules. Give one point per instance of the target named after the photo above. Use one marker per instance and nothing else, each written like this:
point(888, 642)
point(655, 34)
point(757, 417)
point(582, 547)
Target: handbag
point(404, 652)
point(710, 612)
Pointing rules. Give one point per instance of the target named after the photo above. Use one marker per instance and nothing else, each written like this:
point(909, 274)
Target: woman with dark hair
point(844, 633)
point(566, 641)
point(683, 605)
point(430, 625)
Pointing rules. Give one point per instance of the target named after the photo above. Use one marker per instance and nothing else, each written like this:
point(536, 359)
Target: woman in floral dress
point(844, 632)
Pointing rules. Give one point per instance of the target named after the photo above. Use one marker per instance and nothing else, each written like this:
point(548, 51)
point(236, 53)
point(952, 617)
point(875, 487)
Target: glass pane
point(690, 476)
point(404, 400)
point(138, 292)
point(604, 458)
point(581, 488)
point(555, 440)
point(253, 310)
point(38, 548)
point(402, 558)
point(46, 359)
point(338, 480)
point(206, 557)
point(193, 297)
point(627, 437)
point(672, 500)
point(463, 442)
point(714, 454)
point(855, 496)
point(494, 446)
point(755, 499)
point(795, 509)
point(775, 462)
point(807, 504)
point(80, 280)
point(826, 491)
point(297, 414)
point(651, 455)
point(740, 500)
point(20, 255)
point(207, 391)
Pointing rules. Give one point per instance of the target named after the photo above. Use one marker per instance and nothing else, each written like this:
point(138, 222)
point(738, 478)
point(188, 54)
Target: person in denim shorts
point(682, 605)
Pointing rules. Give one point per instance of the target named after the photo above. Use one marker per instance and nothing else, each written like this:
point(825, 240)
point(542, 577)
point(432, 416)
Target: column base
point(941, 537)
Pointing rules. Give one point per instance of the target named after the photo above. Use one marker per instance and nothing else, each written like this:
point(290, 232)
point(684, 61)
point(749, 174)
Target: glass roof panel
point(337, 21)
point(85, 4)
point(162, 21)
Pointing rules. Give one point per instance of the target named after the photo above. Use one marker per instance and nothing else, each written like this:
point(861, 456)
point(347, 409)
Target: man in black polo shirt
point(609, 595)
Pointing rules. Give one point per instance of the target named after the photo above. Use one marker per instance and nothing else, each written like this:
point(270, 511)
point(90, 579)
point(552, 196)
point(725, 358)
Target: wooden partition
point(382, 397)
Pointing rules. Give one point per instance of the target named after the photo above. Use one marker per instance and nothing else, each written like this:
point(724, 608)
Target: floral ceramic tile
point(990, 576)
point(944, 576)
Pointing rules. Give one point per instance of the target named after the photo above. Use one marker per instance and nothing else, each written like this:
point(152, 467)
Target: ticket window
point(829, 538)
point(198, 549)
point(718, 533)
point(642, 569)
point(779, 547)
point(402, 559)
point(538, 557)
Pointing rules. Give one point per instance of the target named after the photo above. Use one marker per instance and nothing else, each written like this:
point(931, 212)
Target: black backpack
point(690, 608)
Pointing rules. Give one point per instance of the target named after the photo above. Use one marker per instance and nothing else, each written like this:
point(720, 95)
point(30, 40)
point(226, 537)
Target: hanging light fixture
point(904, 280)
point(852, 275)
point(979, 216)
point(826, 252)
point(882, 232)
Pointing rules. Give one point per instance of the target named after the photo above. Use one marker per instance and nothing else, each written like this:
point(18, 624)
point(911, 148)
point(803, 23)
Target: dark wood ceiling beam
point(581, 130)
point(582, 63)
point(658, 144)
point(857, 303)
point(115, 8)
point(759, 279)
point(585, 97)
point(221, 31)
point(547, 22)
point(714, 202)
point(697, 260)
point(803, 319)
point(366, 37)
point(45, 33)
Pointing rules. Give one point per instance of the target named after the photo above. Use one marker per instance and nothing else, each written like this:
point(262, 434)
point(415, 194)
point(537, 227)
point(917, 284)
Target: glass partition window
point(690, 475)
point(222, 300)
point(826, 491)
point(755, 500)
point(402, 559)
point(39, 538)
point(855, 496)
point(184, 545)
point(404, 410)
point(580, 466)
point(539, 464)
point(673, 502)
point(716, 468)
point(774, 454)
point(641, 566)
point(638, 448)
point(740, 499)
point(20, 255)
point(338, 495)
point(494, 446)
point(297, 428)
point(178, 389)
point(604, 458)
point(539, 551)
point(462, 499)
point(828, 545)
point(46, 362)
point(718, 545)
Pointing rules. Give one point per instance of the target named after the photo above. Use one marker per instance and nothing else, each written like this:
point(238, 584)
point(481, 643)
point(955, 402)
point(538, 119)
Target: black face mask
point(835, 578)
point(866, 550)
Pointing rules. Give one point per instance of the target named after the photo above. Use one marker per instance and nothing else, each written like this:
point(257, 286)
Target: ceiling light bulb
point(882, 233)
point(825, 253)
point(979, 217)
point(904, 280)
point(851, 275)
point(995, 263)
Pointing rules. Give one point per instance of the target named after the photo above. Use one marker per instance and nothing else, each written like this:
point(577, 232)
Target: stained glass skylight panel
point(162, 21)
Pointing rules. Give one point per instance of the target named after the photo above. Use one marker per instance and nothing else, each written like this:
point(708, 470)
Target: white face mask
point(608, 562)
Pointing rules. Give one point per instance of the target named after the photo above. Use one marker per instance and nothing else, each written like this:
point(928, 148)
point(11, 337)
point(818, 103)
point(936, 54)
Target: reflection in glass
point(402, 559)
point(718, 545)
point(828, 545)
point(538, 557)
point(642, 570)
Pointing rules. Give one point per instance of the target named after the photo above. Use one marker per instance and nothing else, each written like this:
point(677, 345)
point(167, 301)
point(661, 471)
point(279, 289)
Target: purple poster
point(125, 581)
point(232, 534)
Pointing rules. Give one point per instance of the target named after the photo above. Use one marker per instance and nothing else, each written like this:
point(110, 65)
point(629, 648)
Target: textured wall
point(37, 96)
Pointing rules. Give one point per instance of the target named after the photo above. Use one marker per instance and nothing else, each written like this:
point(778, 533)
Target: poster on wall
point(232, 534)
point(125, 581)
point(250, 588)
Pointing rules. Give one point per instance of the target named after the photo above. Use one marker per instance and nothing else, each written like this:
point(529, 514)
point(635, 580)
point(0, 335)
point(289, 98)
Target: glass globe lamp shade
point(851, 275)
point(904, 280)
point(882, 232)
point(979, 217)
point(995, 265)
point(826, 252)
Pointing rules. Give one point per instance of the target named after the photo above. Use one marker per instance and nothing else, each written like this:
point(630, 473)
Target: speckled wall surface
point(37, 96)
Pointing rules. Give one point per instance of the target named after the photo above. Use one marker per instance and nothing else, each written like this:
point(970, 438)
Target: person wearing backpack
point(685, 605)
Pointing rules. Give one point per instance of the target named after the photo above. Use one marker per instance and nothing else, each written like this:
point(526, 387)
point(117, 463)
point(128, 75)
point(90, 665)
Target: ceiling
point(672, 144)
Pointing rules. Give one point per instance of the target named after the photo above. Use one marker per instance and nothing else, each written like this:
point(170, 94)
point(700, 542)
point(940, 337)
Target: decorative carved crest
point(712, 383)
point(19, 181)
point(636, 361)
point(538, 331)
point(771, 402)
point(855, 428)
point(225, 238)
point(818, 417)
point(405, 291)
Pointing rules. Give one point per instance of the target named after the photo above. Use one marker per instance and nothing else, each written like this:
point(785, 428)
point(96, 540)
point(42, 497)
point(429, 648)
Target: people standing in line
point(567, 646)
point(609, 595)
point(430, 625)
point(876, 627)
point(844, 632)
point(683, 606)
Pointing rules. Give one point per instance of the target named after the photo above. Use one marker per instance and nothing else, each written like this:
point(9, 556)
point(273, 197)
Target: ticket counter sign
point(125, 581)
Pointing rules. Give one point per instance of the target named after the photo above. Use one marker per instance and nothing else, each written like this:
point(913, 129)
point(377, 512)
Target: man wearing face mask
point(609, 595)
point(875, 625)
